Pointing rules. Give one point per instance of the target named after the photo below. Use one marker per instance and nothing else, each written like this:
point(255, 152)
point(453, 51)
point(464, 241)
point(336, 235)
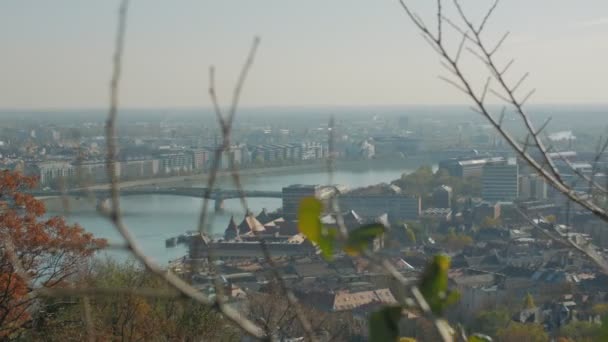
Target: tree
point(490, 322)
point(456, 241)
point(278, 318)
point(529, 302)
point(600, 309)
point(490, 222)
point(581, 331)
point(130, 316)
point(34, 252)
point(518, 332)
point(551, 218)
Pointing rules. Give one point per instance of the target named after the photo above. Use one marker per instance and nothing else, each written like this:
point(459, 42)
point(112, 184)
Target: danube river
point(154, 218)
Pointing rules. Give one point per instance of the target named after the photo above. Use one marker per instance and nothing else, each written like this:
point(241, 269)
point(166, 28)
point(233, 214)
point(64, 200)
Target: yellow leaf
point(309, 222)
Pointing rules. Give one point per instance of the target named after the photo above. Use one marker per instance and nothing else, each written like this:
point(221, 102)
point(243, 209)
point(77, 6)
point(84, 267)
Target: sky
point(57, 54)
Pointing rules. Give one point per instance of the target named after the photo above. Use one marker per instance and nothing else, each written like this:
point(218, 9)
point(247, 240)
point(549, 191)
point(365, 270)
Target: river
point(154, 218)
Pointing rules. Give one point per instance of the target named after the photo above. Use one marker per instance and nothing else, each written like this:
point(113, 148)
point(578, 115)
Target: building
point(499, 181)
point(175, 163)
point(395, 145)
point(397, 206)
point(442, 197)
point(51, 171)
point(467, 167)
point(293, 194)
point(532, 187)
point(137, 169)
point(200, 157)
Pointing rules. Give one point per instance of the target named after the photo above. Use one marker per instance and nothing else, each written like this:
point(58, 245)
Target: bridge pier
point(103, 203)
point(219, 205)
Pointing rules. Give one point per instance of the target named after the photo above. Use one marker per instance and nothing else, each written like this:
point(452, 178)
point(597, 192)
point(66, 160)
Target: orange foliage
point(48, 250)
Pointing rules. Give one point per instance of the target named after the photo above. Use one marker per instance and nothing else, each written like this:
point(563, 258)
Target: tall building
point(499, 181)
point(532, 187)
point(442, 197)
point(293, 194)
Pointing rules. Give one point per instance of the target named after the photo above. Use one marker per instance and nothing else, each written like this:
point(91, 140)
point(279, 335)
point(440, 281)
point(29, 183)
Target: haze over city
point(325, 171)
point(349, 53)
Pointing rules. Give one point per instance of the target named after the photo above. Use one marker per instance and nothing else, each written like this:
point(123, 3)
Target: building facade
point(293, 194)
point(397, 206)
point(467, 167)
point(500, 181)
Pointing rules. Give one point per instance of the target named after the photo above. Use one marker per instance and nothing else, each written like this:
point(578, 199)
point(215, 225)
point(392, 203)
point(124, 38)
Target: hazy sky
point(56, 54)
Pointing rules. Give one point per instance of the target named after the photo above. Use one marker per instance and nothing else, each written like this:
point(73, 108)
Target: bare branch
point(430, 40)
point(413, 16)
point(495, 93)
point(595, 258)
point(506, 68)
point(551, 174)
point(457, 28)
point(502, 116)
point(448, 68)
point(456, 85)
point(476, 54)
point(530, 93)
point(236, 96)
point(460, 46)
point(521, 80)
point(487, 16)
point(114, 211)
point(88, 319)
point(109, 292)
point(485, 89)
point(543, 126)
point(526, 142)
point(474, 109)
point(499, 44)
point(439, 20)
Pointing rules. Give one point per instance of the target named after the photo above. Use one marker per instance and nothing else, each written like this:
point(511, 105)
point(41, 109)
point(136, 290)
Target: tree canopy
point(34, 251)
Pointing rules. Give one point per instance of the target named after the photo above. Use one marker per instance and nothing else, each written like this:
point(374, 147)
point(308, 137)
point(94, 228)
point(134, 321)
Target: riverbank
point(313, 167)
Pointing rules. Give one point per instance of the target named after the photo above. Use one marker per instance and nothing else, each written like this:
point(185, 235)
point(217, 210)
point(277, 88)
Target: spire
point(263, 217)
point(231, 231)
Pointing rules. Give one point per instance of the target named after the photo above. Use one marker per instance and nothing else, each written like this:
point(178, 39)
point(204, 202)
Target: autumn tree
point(490, 222)
point(35, 252)
point(456, 241)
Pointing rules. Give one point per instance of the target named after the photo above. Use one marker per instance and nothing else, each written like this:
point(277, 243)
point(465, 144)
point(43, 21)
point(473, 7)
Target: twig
point(88, 319)
point(551, 175)
point(226, 126)
point(114, 213)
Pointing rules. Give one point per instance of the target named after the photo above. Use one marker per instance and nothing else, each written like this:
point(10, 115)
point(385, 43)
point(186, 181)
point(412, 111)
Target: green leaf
point(479, 338)
point(309, 222)
point(360, 238)
point(434, 285)
point(326, 243)
point(384, 324)
point(452, 298)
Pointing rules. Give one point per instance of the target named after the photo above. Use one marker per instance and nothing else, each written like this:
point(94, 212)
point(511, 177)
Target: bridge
point(217, 195)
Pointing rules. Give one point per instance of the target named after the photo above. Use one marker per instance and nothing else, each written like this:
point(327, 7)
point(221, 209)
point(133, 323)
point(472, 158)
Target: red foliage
point(34, 251)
